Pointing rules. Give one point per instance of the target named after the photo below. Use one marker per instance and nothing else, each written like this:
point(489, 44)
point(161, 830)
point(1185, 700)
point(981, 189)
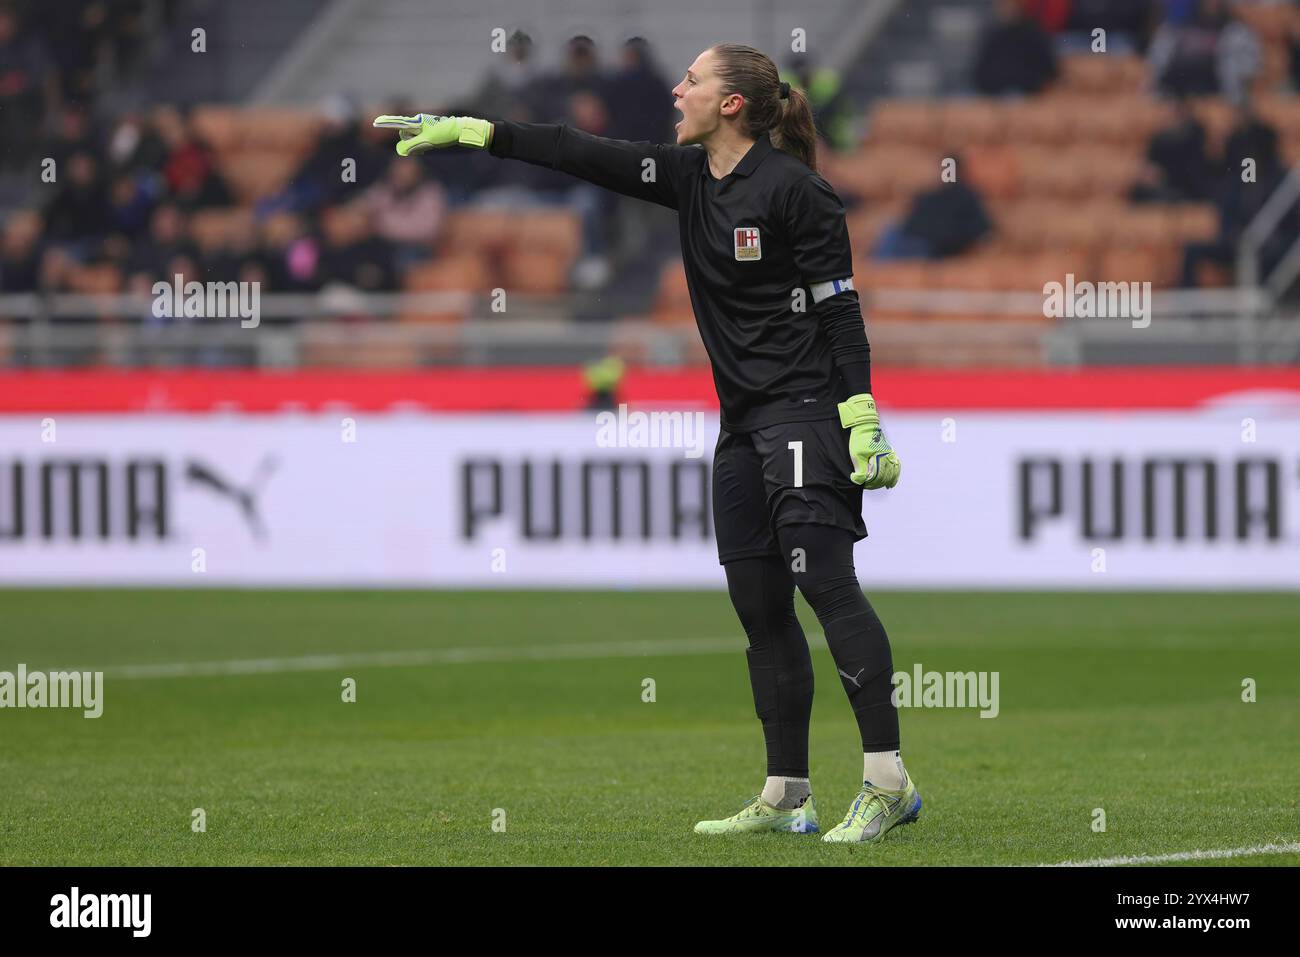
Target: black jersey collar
point(749, 162)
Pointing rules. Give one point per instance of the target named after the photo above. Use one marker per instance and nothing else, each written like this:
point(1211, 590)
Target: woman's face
point(700, 100)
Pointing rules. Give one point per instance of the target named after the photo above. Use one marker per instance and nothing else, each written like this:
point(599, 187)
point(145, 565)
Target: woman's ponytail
point(771, 106)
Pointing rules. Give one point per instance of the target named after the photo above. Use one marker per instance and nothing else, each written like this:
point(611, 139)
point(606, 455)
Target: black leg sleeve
point(780, 666)
point(823, 570)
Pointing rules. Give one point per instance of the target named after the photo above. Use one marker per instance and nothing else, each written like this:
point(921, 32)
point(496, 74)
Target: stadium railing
point(1231, 325)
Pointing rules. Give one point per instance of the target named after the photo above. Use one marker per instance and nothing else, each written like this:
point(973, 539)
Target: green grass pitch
point(531, 702)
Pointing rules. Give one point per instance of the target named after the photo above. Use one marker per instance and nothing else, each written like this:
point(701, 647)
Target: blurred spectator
point(1177, 169)
point(79, 211)
point(293, 254)
point(407, 210)
point(190, 169)
point(1238, 203)
point(166, 239)
point(1250, 138)
point(25, 89)
point(1238, 56)
point(76, 31)
point(941, 222)
point(1213, 52)
point(578, 97)
point(645, 99)
point(1127, 23)
point(581, 73)
point(509, 90)
point(135, 145)
point(73, 133)
point(353, 254)
point(20, 252)
point(1015, 55)
point(57, 271)
point(239, 251)
point(1051, 15)
point(130, 206)
point(319, 180)
point(1179, 12)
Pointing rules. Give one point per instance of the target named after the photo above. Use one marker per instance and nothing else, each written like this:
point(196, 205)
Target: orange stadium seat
point(1045, 120)
point(276, 128)
point(452, 273)
point(673, 300)
point(1110, 172)
point(1196, 222)
point(1290, 149)
point(555, 231)
point(993, 169)
point(475, 230)
point(888, 172)
point(212, 229)
point(256, 174)
point(963, 122)
point(904, 122)
point(1054, 266)
point(866, 223)
point(1156, 266)
point(1124, 119)
point(100, 279)
point(500, 230)
point(894, 274)
point(1101, 74)
point(535, 272)
point(1271, 22)
point(979, 271)
point(1083, 226)
point(1281, 111)
point(217, 126)
point(1029, 224)
point(465, 272)
point(1148, 226)
point(1051, 172)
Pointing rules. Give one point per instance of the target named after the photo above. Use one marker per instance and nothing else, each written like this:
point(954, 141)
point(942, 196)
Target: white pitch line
point(1291, 848)
point(432, 656)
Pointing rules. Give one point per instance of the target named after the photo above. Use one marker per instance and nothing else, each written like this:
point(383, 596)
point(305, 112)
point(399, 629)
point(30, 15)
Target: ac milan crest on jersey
point(747, 244)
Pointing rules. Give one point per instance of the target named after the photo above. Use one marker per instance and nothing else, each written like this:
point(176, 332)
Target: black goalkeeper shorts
point(755, 492)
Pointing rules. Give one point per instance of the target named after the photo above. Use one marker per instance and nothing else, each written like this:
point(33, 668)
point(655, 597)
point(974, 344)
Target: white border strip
point(432, 656)
point(1290, 848)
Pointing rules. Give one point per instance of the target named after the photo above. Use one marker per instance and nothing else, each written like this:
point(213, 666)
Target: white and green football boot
point(760, 817)
point(875, 812)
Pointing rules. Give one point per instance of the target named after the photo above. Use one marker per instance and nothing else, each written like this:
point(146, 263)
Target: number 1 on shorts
point(797, 448)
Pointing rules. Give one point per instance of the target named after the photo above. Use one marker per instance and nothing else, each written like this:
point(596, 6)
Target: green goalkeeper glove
point(877, 463)
point(424, 131)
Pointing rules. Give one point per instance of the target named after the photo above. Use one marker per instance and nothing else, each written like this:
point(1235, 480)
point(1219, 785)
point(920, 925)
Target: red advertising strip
point(550, 389)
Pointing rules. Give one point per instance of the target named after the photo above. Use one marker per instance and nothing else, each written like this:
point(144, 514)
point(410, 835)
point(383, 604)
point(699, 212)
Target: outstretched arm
point(642, 170)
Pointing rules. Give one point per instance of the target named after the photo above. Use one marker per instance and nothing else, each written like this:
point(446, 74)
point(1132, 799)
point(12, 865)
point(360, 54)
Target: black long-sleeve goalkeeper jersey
point(750, 242)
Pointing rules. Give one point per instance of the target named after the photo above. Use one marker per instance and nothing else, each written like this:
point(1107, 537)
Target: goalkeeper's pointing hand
point(424, 131)
point(876, 465)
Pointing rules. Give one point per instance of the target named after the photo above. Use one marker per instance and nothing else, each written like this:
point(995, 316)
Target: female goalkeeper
point(769, 269)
